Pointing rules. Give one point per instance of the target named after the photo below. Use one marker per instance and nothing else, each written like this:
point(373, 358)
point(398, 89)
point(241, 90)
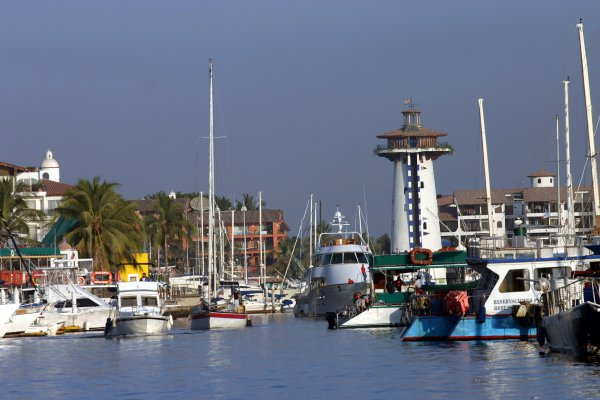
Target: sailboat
point(205, 315)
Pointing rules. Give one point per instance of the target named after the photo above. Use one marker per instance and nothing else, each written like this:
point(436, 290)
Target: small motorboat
point(138, 311)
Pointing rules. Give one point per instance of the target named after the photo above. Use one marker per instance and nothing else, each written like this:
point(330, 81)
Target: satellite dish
point(199, 204)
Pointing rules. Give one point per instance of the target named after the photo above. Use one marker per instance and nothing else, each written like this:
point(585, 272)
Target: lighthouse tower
point(413, 149)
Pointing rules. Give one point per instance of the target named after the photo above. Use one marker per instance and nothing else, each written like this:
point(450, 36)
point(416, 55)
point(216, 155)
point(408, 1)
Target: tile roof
point(529, 194)
point(54, 188)
point(541, 173)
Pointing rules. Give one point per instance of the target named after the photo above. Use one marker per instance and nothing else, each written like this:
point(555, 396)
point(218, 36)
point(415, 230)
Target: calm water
point(288, 358)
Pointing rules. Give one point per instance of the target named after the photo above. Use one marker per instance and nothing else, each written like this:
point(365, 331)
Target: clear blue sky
point(119, 89)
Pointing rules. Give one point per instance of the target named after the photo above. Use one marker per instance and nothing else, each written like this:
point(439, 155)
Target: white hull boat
point(377, 316)
point(202, 319)
point(6, 312)
point(141, 325)
point(339, 272)
point(22, 319)
point(138, 311)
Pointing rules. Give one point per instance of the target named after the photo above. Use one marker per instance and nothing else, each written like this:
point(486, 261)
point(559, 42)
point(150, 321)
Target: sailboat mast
point(570, 215)
point(590, 125)
point(211, 188)
point(488, 194)
point(232, 240)
point(310, 232)
point(558, 205)
point(260, 241)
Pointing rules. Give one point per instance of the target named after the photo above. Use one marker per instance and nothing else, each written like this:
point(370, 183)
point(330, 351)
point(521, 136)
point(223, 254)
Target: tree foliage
point(167, 226)
point(107, 227)
point(14, 211)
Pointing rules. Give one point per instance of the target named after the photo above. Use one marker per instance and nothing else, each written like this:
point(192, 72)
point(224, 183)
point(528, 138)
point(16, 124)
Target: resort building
point(44, 189)
point(537, 208)
point(247, 232)
point(246, 235)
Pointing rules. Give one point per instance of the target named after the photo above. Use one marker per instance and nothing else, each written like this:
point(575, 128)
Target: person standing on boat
point(364, 272)
point(389, 286)
point(398, 283)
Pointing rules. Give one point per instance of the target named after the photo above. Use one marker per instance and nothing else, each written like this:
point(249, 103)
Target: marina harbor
point(320, 200)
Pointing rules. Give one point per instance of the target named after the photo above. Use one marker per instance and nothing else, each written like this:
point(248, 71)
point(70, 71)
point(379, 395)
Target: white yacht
point(138, 311)
point(340, 270)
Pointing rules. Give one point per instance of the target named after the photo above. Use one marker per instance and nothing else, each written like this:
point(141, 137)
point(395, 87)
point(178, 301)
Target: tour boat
point(505, 304)
point(138, 311)
point(384, 308)
point(339, 271)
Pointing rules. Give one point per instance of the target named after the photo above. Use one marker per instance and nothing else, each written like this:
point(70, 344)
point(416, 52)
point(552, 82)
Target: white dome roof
point(49, 162)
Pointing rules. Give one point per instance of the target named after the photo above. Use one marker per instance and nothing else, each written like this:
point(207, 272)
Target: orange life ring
point(421, 261)
point(80, 280)
point(38, 277)
point(101, 278)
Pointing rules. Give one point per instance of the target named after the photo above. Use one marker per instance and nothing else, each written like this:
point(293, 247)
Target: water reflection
point(281, 356)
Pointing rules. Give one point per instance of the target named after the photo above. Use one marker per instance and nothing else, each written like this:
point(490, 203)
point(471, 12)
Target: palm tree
point(168, 223)
point(249, 202)
point(107, 227)
point(14, 211)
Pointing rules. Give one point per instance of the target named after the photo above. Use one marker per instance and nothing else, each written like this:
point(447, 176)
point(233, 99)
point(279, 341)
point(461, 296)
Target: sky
point(119, 89)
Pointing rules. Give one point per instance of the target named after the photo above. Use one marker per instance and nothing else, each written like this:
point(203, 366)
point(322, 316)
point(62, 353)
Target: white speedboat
point(339, 272)
point(24, 316)
point(138, 311)
point(7, 309)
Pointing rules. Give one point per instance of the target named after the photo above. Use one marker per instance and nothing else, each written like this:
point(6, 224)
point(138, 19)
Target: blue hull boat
point(449, 327)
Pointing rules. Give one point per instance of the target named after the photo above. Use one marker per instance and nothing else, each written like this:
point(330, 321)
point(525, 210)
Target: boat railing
point(568, 296)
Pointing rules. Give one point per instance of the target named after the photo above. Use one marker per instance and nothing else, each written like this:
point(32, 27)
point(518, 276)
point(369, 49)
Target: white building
point(45, 191)
point(464, 213)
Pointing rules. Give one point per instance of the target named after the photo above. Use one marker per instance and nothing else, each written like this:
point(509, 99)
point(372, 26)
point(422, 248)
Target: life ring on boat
point(421, 261)
point(38, 277)
point(80, 280)
point(101, 278)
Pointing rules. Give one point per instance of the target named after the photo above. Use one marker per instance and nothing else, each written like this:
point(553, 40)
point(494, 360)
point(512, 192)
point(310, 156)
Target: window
point(349, 258)
point(516, 280)
point(422, 184)
point(327, 259)
point(149, 301)
point(539, 180)
point(130, 301)
point(424, 225)
point(337, 258)
point(499, 224)
point(46, 175)
point(362, 258)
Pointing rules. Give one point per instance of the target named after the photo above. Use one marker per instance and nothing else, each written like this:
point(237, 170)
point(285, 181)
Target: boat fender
point(108, 328)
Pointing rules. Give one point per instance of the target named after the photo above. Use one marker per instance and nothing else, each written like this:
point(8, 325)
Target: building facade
point(541, 208)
